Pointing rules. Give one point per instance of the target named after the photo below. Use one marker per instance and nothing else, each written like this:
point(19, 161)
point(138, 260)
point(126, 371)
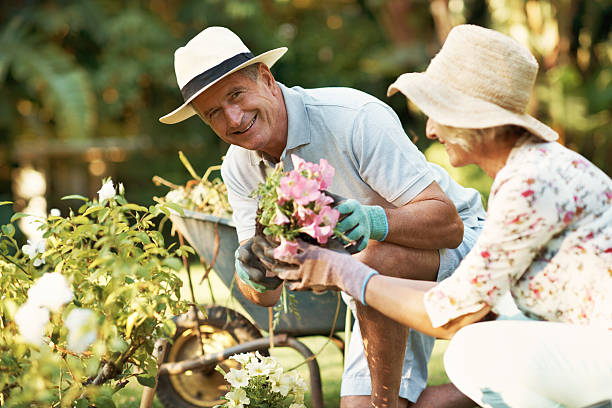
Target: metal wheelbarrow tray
point(316, 310)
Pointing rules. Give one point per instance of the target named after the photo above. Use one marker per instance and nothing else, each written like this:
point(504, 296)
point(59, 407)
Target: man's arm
point(429, 221)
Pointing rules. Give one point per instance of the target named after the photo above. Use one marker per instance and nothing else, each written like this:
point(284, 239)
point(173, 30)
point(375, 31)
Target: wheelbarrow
point(187, 377)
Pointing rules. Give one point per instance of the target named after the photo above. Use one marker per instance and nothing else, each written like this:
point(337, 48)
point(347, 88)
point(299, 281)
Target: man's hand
point(317, 268)
point(251, 271)
point(361, 223)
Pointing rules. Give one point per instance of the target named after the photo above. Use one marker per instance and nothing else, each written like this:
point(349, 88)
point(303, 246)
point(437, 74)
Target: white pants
point(526, 364)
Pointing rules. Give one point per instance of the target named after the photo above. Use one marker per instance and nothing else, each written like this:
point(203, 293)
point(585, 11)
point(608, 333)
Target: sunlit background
point(83, 82)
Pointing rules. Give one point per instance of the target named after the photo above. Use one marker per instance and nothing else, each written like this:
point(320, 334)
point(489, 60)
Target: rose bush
point(81, 309)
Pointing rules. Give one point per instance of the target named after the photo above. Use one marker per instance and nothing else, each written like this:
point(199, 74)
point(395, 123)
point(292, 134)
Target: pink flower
point(327, 174)
point(285, 249)
point(323, 201)
point(298, 162)
point(299, 188)
point(527, 193)
point(279, 217)
point(328, 216)
point(304, 215)
point(323, 225)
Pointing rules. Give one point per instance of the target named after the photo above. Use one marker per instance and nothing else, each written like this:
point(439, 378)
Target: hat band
point(212, 74)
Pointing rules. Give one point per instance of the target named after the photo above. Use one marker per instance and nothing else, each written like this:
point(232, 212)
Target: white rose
point(82, 329)
point(32, 249)
point(31, 320)
point(51, 290)
point(55, 212)
point(107, 191)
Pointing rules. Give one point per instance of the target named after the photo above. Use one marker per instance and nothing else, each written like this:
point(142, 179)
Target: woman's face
point(457, 154)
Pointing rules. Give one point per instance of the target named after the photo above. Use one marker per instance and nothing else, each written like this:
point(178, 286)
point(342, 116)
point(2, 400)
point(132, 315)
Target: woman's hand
point(316, 268)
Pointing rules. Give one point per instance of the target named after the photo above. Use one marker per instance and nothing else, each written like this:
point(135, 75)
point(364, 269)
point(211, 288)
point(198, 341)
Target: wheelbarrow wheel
point(220, 329)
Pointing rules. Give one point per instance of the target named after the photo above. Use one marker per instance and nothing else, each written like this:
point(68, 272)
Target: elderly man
point(404, 213)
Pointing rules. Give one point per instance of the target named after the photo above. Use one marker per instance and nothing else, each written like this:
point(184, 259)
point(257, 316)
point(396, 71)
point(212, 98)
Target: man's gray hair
point(250, 71)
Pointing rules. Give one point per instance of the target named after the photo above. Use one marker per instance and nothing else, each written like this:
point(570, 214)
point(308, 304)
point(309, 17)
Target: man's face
point(245, 112)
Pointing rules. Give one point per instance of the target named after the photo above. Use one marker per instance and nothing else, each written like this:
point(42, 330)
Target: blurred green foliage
point(102, 70)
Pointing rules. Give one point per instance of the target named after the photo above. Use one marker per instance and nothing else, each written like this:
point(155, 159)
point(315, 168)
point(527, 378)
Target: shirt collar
point(298, 129)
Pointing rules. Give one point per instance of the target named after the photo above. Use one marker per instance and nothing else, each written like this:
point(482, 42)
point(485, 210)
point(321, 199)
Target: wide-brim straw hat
point(207, 58)
point(480, 78)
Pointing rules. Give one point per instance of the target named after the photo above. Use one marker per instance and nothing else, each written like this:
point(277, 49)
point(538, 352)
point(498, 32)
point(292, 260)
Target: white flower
point(175, 196)
point(55, 212)
point(243, 358)
point(237, 398)
point(107, 191)
point(82, 329)
point(51, 290)
point(256, 368)
point(270, 364)
point(299, 385)
point(281, 383)
point(32, 249)
point(294, 405)
point(237, 378)
point(121, 188)
point(31, 320)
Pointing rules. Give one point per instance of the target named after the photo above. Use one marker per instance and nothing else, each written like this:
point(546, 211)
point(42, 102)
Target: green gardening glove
point(251, 271)
point(361, 223)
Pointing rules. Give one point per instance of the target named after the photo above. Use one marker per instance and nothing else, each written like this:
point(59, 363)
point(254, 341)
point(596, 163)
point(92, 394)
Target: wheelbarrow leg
point(148, 393)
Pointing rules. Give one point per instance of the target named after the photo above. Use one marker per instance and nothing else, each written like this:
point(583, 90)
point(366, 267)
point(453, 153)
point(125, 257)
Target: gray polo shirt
point(362, 138)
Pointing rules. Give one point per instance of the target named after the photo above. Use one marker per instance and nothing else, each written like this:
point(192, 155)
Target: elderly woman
point(547, 240)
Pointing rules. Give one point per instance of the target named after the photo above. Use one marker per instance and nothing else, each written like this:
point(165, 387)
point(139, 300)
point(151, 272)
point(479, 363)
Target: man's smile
point(249, 126)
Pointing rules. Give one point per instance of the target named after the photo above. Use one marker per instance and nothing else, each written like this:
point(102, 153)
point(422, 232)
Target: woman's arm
point(402, 301)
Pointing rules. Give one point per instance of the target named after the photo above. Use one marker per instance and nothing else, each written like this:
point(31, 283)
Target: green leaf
point(173, 263)
point(5, 203)
point(8, 229)
point(103, 401)
point(147, 380)
point(75, 197)
point(82, 403)
point(93, 209)
point(17, 216)
point(135, 207)
point(175, 207)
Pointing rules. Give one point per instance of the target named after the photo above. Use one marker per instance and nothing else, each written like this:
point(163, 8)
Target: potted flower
point(262, 383)
point(296, 204)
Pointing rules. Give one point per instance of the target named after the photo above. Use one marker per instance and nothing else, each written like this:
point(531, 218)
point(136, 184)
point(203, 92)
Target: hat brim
point(450, 107)
point(185, 111)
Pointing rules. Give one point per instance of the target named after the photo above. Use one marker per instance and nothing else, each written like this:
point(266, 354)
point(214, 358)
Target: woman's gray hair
point(467, 138)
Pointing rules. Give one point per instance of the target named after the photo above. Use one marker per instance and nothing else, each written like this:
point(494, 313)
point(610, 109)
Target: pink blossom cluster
point(301, 202)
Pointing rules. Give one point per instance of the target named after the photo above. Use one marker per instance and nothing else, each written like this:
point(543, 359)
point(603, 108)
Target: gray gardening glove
point(360, 223)
point(251, 271)
point(318, 268)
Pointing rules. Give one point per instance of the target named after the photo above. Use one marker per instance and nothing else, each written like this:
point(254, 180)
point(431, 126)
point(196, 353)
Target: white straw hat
point(207, 58)
point(480, 78)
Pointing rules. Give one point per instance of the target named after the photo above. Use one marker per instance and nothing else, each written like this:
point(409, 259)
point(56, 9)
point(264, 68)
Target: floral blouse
point(547, 238)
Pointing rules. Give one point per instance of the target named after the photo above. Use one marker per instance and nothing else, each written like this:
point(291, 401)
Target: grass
point(329, 359)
